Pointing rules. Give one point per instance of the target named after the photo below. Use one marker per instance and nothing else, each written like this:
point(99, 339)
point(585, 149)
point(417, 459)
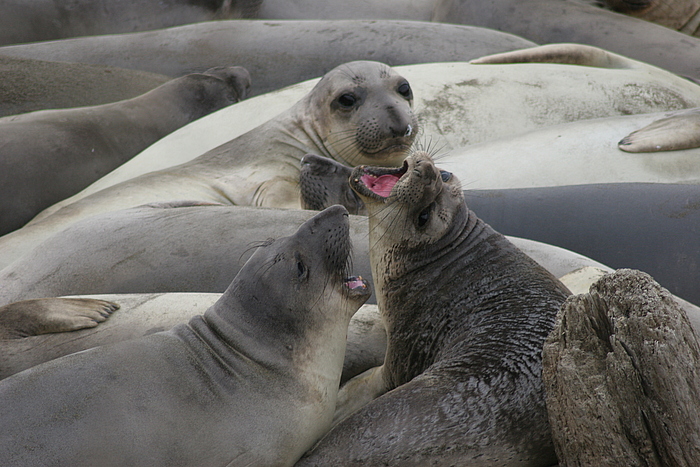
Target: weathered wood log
point(622, 374)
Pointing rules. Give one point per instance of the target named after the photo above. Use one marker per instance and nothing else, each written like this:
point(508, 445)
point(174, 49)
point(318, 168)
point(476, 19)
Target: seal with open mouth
point(466, 314)
point(252, 381)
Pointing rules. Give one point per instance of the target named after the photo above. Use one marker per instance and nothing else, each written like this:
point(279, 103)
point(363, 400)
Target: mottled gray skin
point(37, 84)
point(251, 382)
point(323, 182)
point(556, 21)
point(42, 20)
point(359, 112)
point(49, 155)
point(466, 315)
point(305, 49)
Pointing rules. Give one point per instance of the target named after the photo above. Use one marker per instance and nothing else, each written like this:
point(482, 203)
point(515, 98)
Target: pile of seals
point(216, 322)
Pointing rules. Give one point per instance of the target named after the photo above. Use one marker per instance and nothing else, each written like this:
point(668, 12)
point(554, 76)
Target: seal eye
point(301, 270)
point(405, 90)
point(445, 175)
point(347, 100)
point(424, 215)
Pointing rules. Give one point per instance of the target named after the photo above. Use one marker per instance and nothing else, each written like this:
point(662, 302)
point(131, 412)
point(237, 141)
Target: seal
point(35, 84)
point(681, 15)
point(49, 155)
point(303, 44)
point(251, 381)
point(323, 182)
point(466, 104)
point(567, 21)
point(61, 19)
point(357, 113)
point(466, 314)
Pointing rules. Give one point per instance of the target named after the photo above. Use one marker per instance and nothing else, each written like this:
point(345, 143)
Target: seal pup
point(49, 155)
point(466, 314)
point(359, 112)
point(253, 381)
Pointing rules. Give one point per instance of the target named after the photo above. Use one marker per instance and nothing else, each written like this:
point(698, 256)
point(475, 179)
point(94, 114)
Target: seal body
point(50, 155)
point(567, 21)
point(359, 112)
point(466, 314)
point(51, 20)
point(252, 381)
point(293, 50)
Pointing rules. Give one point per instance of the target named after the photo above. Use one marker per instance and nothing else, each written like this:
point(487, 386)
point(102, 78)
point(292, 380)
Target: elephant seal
point(358, 112)
point(304, 44)
point(43, 21)
point(558, 21)
point(37, 84)
point(49, 155)
point(681, 15)
point(323, 182)
point(466, 314)
point(252, 381)
point(459, 104)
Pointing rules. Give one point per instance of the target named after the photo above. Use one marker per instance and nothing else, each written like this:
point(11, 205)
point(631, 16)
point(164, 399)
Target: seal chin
point(357, 288)
point(376, 182)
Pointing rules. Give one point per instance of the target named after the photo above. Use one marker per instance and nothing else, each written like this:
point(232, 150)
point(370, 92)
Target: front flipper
point(564, 54)
point(358, 392)
point(45, 315)
point(679, 131)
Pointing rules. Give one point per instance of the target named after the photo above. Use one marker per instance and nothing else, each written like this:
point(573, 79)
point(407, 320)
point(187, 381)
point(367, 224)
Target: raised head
point(364, 114)
point(412, 206)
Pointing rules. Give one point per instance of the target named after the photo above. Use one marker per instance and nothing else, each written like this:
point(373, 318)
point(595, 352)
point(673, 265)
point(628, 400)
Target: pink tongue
point(356, 284)
point(380, 185)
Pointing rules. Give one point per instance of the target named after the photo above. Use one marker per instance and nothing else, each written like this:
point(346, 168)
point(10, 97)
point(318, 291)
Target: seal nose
point(409, 130)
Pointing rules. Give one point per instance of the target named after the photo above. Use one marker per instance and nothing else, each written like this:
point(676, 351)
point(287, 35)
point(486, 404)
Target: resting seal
point(466, 315)
point(251, 382)
point(359, 112)
point(50, 155)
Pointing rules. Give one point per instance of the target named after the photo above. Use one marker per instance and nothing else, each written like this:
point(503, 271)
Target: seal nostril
point(409, 130)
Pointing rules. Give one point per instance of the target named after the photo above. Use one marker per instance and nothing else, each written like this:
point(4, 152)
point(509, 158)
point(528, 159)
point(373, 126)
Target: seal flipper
point(46, 315)
point(679, 131)
point(564, 54)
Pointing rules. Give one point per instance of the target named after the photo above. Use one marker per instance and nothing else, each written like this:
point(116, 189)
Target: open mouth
point(357, 286)
point(376, 181)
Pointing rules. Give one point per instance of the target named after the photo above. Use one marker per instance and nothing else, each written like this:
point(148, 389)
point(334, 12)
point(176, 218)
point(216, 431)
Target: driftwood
point(622, 374)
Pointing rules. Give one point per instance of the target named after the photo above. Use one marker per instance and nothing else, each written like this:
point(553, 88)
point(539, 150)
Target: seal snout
point(377, 182)
point(357, 287)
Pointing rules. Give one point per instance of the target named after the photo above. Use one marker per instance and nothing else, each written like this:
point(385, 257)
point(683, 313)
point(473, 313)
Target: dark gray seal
point(466, 315)
point(50, 155)
point(51, 20)
point(253, 381)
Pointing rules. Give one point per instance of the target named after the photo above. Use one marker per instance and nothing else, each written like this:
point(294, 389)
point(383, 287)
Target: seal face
point(367, 112)
point(323, 182)
point(466, 315)
point(253, 381)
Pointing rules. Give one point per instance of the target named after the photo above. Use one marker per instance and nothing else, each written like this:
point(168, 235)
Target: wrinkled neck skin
point(303, 131)
point(461, 290)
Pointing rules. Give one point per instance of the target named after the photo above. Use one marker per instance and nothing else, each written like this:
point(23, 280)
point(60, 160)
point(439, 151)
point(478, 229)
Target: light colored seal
point(260, 44)
point(459, 105)
point(36, 84)
point(43, 21)
point(466, 315)
point(253, 381)
point(556, 21)
point(359, 112)
point(49, 155)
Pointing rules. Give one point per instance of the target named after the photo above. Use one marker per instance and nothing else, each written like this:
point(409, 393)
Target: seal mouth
point(357, 287)
point(376, 182)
